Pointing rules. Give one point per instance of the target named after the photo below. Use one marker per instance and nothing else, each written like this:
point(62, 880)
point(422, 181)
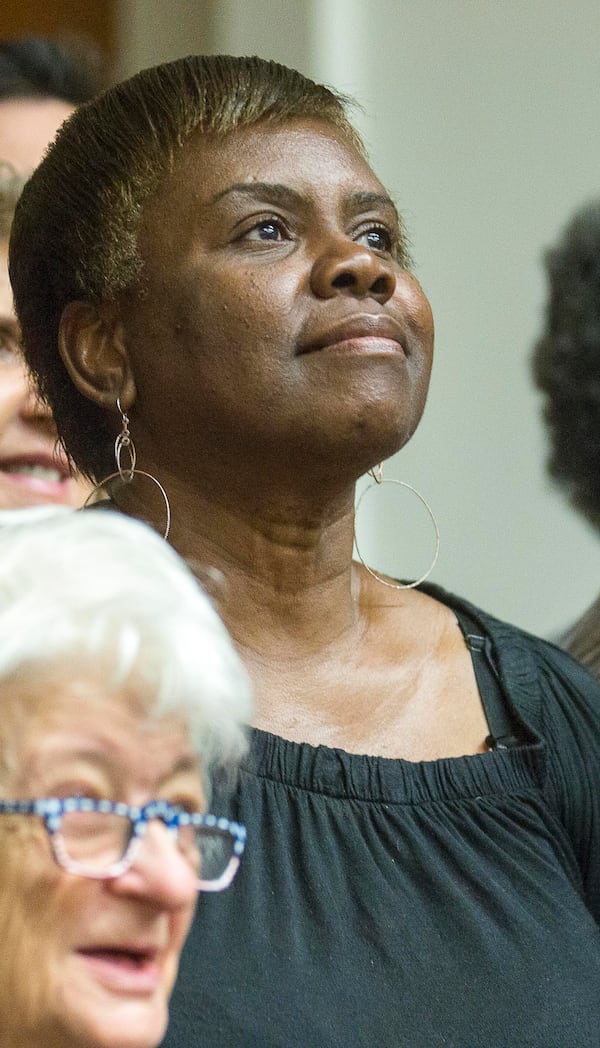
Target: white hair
point(99, 594)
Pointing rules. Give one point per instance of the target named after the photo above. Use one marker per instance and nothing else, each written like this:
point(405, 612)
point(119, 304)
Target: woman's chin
point(374, 447)
point(115, 1022)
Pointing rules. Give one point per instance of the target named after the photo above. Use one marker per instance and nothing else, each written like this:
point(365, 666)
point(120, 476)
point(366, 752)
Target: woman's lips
point(366, 332)
point(41, 476)
point(124, 970)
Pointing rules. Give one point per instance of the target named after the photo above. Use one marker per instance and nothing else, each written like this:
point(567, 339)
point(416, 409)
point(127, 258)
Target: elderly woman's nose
point(160, 872)
point(348, 268)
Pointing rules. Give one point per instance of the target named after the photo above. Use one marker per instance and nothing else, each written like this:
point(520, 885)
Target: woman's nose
point(33, 407)
point(348, 268)
point(159, 873)
point(18, 400)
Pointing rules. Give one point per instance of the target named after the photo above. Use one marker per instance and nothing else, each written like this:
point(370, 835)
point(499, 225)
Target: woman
point(566, 366)
point(33, 469)
point(222, 280)
point(41, 81)
point(111, 723)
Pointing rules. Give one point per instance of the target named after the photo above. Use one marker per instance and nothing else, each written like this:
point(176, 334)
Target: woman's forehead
point(46, 727)
point(301, 150)
point(27, 125)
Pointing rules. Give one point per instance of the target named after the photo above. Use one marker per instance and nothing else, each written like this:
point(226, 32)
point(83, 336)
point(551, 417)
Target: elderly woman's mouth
point(124, 969)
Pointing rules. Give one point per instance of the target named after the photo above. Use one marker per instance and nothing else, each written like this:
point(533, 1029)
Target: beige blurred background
point(483, 120)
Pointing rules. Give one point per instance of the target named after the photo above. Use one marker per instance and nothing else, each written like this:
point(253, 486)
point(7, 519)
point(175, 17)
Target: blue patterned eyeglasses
point(99, 838)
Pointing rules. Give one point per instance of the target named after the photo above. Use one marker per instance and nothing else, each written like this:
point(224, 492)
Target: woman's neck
point(288, 583)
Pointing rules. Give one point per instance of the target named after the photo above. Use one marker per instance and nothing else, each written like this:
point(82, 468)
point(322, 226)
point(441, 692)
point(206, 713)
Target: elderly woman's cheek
point(33, 914)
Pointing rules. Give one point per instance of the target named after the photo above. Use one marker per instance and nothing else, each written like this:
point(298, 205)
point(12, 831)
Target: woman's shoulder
point(540, 681)
point(509, 639)
point(559, 699)
point(551, 690)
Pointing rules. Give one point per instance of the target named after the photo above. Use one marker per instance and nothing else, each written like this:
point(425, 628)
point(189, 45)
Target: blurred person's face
point(89, 962)
point(27, 126)
point(33, 470)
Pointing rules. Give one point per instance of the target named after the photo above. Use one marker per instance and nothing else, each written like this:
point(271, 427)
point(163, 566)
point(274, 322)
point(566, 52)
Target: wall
point(485, 123)
point(91, 21)
point(482, 118)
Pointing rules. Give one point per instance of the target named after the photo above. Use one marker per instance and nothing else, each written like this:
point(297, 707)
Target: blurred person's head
point(33, 468)
point(41, 82)
point(566, 361)
point(119, 686)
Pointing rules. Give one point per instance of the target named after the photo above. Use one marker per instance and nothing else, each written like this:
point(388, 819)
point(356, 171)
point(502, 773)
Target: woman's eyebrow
point(274, 191)
point(364, 199)
point(284, 195)
point(185, 763)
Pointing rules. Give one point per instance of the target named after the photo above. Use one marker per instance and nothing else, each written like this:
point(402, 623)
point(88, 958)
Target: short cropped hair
point(96, 594)
point(566, 361)
point(11, 187)
point(35, 67)
point(75, 235)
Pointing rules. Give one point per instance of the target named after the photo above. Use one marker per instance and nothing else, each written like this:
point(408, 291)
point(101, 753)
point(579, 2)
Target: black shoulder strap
point(504, 729)
point(511, 660)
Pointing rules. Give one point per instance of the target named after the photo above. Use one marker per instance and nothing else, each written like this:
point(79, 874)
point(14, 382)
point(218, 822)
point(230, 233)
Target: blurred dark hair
point(566, 360)
point(35, 67)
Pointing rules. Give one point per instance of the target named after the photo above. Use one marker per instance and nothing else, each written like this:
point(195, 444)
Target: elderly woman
point(120, 692)
point(227, 327)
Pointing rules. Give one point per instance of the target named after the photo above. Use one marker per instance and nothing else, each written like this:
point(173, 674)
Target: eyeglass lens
point(98, 840)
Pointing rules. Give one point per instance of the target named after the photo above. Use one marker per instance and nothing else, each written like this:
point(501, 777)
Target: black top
point(390, 904)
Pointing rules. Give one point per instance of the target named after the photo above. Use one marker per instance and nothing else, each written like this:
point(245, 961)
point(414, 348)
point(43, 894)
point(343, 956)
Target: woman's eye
point(269, 230)
point(191, 802)
point(76, 788)
point(376, 239)
point(83, 791)
point(9, 347)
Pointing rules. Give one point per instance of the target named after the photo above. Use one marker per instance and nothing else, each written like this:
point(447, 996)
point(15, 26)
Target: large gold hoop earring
point(126, 472)
point(377, 474)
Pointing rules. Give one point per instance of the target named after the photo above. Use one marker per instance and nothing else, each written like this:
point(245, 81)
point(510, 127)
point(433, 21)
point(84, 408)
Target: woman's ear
point(91, 342)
